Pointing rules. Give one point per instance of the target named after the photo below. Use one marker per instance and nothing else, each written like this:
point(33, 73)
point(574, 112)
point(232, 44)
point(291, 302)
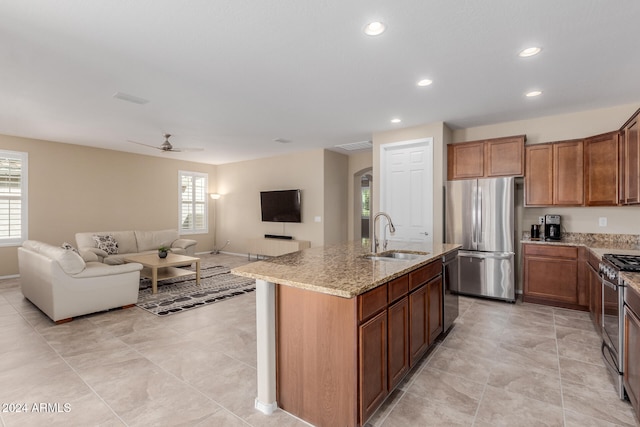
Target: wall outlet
point(317, 219)
point(602, 221)
point(541, 220)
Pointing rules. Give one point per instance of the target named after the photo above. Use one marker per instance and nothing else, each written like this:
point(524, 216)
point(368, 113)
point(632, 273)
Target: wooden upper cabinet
point(632, 160)
point(538, 180)
point(465, 160)
point(601, 170)
point(621, 168)
point(486, 159)
point(568, 173)
point(504, 156)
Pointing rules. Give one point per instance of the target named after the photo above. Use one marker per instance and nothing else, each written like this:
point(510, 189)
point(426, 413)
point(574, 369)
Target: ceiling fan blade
point(191, 149)
point(146, 145)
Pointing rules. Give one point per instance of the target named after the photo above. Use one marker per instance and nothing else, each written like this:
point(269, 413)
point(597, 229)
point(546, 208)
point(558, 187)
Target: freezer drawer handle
point(484, 256)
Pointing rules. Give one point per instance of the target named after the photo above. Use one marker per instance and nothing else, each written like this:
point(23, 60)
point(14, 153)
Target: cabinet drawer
point(424, 274)
point(552, 251)
point(632, 299)
point(398, 288)
point(372, 302)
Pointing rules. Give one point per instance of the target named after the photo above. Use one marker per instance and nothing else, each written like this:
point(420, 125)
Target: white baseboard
point(266, 408)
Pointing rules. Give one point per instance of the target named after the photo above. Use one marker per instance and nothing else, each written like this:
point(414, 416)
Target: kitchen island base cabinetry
point(339, 358)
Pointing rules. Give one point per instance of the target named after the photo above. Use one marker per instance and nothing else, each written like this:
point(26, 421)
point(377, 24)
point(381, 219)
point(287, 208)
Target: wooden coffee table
point(157, 268)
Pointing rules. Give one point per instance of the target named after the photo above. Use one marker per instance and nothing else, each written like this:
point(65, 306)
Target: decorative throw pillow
point(106, 243)
point(69, 247)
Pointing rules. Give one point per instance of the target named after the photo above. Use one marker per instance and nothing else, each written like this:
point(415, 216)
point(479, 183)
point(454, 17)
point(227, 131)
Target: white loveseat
point(133, 242)
point(61, 284)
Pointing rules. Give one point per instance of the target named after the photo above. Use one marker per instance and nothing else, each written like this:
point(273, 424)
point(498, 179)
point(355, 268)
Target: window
point(193, 212)
point(13, 198)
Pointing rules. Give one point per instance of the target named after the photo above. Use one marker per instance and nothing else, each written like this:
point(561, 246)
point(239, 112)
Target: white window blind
point(193, 207)
point(13, 198)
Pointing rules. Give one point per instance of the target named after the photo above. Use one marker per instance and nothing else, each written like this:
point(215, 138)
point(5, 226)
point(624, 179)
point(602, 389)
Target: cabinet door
point(435, 309)
point(418, 324)
point(595, 298)
point(632, 162)
point(601, 170)
point(398, 352)
point(465, 160)
point(550, 273)
point(632, 357)
point(373, 364)
point(568, 173)
point(538, 180)
point(622, 198)
point(504, 157)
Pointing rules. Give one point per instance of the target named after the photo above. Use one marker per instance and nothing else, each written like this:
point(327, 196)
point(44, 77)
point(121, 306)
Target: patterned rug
point(181, 293)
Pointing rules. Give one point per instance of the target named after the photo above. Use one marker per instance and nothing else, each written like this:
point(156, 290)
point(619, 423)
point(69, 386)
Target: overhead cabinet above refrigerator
point(480, 217)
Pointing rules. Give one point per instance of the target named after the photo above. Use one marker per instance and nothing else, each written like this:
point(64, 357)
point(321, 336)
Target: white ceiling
point(233, 75)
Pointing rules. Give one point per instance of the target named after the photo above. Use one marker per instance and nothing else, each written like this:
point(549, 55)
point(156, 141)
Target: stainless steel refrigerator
point(479, 215)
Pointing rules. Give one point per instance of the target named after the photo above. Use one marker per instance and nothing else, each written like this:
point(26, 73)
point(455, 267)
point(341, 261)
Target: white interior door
point(406, 189)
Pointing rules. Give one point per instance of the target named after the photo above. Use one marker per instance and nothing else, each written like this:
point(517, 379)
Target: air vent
point(354, 146)
point(282, 141)
point(130, 98)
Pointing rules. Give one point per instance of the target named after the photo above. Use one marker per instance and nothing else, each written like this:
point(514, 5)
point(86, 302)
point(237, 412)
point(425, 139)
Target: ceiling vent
point(355, 146)
point(130, 98)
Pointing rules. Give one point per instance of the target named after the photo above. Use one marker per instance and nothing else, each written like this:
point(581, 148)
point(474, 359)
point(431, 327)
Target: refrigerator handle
point(474, 215)
point(479, 220)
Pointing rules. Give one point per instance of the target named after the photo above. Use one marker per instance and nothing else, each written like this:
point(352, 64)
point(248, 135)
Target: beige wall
point(239, 207)
point(336, 193)
point(620, 219)
point(441, 136)
point(74, 188)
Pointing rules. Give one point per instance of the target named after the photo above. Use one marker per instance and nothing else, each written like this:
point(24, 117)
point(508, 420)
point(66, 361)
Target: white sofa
point(133, 242)
point(62, 285)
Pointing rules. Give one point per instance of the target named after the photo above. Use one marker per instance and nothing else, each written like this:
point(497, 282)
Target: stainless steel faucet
point(392, 229)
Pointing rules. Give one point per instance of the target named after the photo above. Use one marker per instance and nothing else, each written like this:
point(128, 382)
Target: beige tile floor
point(502, 364)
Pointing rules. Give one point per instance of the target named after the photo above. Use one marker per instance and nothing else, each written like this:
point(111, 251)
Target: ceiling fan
point(166, 145)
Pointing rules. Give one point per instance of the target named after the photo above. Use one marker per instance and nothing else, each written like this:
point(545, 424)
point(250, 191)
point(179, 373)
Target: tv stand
point(277, 236)
point(275, 247)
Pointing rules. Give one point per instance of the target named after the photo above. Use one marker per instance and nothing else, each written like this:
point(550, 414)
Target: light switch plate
point(317, 219)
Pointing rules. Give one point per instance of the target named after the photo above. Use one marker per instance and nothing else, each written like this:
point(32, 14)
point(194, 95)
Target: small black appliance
point(552, 227)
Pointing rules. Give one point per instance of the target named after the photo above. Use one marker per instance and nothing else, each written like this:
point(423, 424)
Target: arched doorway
point(363, 190)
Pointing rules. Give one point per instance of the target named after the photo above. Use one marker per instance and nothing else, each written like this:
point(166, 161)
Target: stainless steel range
point(613, 312)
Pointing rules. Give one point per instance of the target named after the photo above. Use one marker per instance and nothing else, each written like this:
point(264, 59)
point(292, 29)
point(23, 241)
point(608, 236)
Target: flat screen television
point(281, 206)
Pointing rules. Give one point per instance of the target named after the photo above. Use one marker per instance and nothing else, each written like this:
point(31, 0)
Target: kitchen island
point(336, 331)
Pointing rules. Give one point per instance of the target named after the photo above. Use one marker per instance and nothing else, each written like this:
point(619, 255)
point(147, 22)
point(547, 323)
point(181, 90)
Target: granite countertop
point(340, 269)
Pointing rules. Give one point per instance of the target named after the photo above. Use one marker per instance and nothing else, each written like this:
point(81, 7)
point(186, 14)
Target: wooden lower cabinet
point(551, 275)
point(631, 376)
point(435, 308)
point(398, 342)
point(372, 364)
point(418, 325)
point(595, 296)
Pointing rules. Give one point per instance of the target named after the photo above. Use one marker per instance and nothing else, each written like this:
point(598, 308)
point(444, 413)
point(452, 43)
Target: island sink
point(394, 256)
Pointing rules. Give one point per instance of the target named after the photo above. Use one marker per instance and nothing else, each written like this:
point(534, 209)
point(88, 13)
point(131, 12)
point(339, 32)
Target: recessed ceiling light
point(374, 28)
point(530, 51)
point(533, 93)
point(425, 82)
point(395, 120)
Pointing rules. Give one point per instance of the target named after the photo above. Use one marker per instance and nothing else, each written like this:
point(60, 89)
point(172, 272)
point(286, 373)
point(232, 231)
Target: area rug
point(181, 293)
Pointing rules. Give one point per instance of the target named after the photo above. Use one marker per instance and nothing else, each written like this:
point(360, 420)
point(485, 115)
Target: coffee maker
point(552, 227)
